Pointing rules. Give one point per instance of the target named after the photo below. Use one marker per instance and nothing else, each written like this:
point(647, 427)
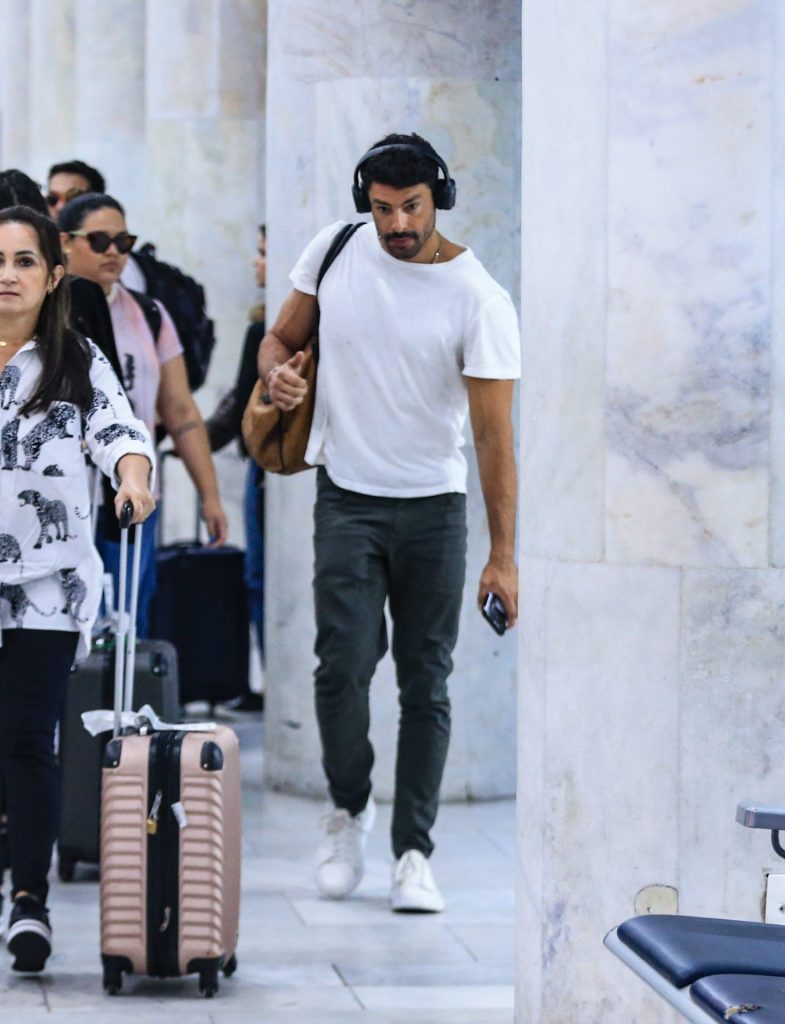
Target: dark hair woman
point(57, 393)
point(97, 243)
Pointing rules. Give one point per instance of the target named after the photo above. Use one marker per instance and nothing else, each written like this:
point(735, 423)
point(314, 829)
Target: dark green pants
point(412, 552)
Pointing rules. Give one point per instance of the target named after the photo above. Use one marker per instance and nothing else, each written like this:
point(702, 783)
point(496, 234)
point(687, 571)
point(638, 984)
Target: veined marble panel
point(51, 76)
point(777, 440)
point(395, 39)
point(732, 728)
point(599, 738)
point(689, 268)
point(109, 93)
point(110, 75)
point(194, 165)
point(243, 58)
point(15, 87)
point(183, 59)
point(564, 281)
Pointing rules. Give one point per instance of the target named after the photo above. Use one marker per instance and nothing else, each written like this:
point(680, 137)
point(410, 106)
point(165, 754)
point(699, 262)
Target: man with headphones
point(413, 333)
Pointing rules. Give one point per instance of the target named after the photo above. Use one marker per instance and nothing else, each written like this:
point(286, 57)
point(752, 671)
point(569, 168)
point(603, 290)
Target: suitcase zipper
point(163, 849)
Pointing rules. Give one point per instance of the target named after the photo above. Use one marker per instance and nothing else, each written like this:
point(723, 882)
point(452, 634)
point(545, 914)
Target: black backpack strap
point(149, 307)
point(342, 236)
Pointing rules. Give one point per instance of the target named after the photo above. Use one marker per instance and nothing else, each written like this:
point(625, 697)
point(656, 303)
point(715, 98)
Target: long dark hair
point(19, 189)
point(65, 355)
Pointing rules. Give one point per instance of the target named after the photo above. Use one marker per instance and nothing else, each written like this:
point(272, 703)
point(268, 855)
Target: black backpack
point(184, 300)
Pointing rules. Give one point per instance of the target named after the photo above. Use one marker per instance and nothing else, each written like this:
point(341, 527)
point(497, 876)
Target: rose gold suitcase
point(170, 848)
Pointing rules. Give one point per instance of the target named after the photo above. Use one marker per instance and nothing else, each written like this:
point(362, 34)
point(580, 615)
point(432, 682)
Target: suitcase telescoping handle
point(125, 644)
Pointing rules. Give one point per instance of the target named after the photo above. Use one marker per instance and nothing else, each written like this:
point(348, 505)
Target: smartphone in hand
point(493, 611)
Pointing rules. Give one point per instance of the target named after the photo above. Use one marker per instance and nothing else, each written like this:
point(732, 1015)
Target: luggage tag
point(143, 720)
point(180, 816)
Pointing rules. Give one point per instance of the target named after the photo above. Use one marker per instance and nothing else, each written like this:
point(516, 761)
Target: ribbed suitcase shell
point(209, 855)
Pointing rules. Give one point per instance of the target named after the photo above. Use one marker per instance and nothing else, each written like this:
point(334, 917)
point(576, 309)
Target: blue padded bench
point(712, 969)
point(742, 998)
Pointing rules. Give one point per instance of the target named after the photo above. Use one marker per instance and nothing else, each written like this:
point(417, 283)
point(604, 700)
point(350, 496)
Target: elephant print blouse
point(50, 571)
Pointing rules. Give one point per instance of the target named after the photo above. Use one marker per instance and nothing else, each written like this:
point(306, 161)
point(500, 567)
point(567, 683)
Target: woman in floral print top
point(59, 398)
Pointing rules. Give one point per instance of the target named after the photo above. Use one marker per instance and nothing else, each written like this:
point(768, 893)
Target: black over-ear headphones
point(443, 191)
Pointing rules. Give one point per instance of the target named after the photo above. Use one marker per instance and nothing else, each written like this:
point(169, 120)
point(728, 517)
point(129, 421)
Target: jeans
point(109, 551)
point(34, 669)
point(253, 513)
point(412, 552)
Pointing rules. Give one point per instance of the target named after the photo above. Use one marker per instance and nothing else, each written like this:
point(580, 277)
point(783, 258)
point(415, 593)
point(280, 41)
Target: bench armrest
point(755, 815)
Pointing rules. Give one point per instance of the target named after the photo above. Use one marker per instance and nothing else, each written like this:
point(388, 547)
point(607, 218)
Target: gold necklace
point(5, 344)
point(438, 250)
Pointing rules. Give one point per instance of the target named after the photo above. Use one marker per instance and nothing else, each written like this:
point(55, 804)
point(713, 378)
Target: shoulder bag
point(275, 439)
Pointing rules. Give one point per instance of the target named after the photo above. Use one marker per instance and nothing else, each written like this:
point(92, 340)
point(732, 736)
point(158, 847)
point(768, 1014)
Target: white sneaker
point(339, 856)
point(413, 888)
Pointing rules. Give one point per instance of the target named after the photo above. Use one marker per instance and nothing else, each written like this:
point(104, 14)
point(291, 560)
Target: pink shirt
point(141, 356)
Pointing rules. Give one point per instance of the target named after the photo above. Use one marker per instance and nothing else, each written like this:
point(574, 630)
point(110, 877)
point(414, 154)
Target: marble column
point(201, 197)
point(340, 77)
point(15, 85)
point(652, 644)
point(52, 76)
point(109, 97)
point(167, 100)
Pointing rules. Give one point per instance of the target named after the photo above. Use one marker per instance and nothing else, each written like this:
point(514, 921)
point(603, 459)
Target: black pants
point(411, 551)
point(34, 669)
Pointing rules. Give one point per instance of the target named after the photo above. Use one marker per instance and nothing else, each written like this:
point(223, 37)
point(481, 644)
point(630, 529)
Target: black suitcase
point(200, 606)
point(4, 857)
point(90, 686)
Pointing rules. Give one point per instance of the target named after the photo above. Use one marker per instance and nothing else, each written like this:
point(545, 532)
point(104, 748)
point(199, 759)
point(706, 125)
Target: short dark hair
point(65, 356)
point(401, 168)
point(73, 214)
point(95, 180)
point(18, 189)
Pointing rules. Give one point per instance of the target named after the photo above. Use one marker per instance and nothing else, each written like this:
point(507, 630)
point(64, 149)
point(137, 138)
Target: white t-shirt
point(396, 340)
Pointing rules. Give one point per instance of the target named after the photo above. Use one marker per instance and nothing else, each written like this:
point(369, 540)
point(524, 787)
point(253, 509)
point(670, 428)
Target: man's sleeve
point(492, 346)
point(306, 269)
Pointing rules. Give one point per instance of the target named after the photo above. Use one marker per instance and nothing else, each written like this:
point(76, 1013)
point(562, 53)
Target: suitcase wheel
point(113, 980)
point(230, 966)
point(208, 980)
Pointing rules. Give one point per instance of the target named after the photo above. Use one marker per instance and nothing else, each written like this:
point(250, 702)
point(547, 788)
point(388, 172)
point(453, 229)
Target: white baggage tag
point(179, 812)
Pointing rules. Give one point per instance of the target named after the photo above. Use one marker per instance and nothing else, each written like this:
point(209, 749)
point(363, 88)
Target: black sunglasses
point(99, 241)
point(53, 198)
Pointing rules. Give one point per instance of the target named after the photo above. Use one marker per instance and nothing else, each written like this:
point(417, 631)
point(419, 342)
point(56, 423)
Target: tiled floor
point(307, 960)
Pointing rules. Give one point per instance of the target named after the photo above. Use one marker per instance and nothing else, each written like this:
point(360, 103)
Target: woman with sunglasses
point(97, 243)
point(57, 394)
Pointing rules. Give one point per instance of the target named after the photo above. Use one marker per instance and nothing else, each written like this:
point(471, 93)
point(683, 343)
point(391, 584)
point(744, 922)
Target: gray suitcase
point(91, 685)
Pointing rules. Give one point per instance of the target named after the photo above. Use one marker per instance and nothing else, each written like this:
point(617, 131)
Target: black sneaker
point(29, 937)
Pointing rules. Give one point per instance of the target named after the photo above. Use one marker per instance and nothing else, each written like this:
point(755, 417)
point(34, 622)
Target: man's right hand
point(285, 384)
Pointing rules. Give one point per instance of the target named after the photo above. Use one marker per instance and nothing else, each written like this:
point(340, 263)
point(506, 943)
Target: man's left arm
point(490, 410)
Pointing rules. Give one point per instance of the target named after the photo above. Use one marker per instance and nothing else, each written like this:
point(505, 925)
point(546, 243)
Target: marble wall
point(340, 77)
point(168, 101)
point(652, 645)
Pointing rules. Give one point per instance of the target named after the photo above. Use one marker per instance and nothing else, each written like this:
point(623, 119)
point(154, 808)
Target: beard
point(405, 245)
